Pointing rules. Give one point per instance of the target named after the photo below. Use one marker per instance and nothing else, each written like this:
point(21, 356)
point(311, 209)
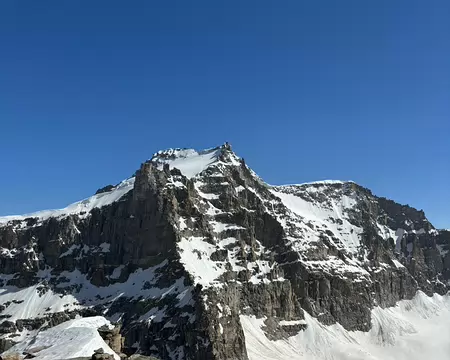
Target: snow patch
point(220, 227)
point(104, 247)
point(195, 255)
point(70, 251)
point(117, 272)
point(397, 264)
point(292, 322)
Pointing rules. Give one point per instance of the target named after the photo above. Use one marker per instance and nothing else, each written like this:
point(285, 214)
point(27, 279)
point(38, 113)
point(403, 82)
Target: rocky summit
point(196, 257)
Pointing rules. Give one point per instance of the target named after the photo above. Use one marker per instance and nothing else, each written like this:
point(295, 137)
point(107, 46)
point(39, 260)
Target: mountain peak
point(174, 153)
point(192, 162)
point(190, 260)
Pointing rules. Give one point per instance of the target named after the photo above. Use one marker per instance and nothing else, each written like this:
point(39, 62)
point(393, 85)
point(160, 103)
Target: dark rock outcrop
point(177, 259)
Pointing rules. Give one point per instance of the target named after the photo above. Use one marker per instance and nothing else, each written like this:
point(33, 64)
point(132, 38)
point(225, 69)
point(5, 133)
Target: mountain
point(196, 257)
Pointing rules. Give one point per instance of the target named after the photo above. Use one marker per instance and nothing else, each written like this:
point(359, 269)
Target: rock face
point(99, 354)
point(176, 254)
point(112, 338)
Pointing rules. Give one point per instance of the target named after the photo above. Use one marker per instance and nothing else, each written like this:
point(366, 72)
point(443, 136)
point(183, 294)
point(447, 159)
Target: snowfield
point(320, 215)
point(415, 329)
point(190, 162)
point(71, 339)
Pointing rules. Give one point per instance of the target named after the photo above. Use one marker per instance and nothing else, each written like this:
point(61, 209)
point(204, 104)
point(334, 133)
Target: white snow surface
point(190, 162)
point(292, 322)
point(195, 255)
point(34, 304)
point(324, 217)
point(71, 339)
point(86, 205)
point(415, 329)
point(322, 182)
point(397, 264)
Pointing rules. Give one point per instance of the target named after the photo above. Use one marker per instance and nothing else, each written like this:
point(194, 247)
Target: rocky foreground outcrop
point(176, 254)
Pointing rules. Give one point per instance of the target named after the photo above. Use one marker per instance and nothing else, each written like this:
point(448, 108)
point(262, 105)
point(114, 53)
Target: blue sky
point(303, 90)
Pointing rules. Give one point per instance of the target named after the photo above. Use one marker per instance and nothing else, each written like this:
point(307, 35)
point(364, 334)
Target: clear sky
point(303, 90)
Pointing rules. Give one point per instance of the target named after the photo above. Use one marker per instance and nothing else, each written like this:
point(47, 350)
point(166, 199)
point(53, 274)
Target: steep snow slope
point(342, 211)
point(71, 339)
point(190, 162)
point(331, 216)
point(37, 301)
point(34, 303)
point(413, 330)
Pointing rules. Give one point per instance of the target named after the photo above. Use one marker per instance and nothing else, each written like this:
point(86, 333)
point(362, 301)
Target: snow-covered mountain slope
point(412, 330)
point(80, 208)
point(190, 162)
point(71, 339)
point(196, 257)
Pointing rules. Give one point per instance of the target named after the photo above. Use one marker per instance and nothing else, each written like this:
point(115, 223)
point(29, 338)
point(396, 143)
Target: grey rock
point(141, 357)
point(12, 356)
point(264, 274)
point(112, 338)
